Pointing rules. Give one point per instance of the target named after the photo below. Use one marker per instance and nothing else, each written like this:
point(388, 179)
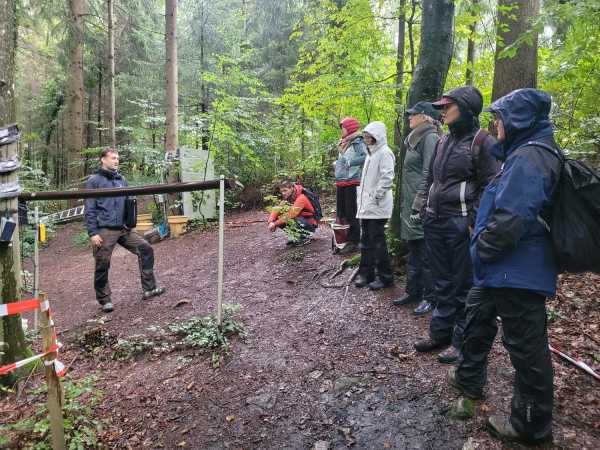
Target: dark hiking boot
point(154, 293)
point(500, 427)
point(405, 300)
point(380, 284)
point(449, 356)
point(423, 308)
point(107, 307)
point(350, 248)
point(361, 281)
point(456, 385)
point(427, 345)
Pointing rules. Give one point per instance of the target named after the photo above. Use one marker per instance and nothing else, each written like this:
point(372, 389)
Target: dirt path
point(315, 365)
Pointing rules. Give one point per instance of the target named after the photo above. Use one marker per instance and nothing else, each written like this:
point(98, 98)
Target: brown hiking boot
point(501, 428)
point(454, 383)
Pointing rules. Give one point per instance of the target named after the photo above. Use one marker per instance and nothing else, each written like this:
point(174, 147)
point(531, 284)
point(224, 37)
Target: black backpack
point(314, 201)
point(574, 216)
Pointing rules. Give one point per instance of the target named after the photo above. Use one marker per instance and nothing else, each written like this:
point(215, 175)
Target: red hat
point(350, 124)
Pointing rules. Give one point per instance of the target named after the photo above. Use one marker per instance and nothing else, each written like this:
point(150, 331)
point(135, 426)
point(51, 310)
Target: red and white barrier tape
point(576, 362)
point(9, 309)
point(59, 368)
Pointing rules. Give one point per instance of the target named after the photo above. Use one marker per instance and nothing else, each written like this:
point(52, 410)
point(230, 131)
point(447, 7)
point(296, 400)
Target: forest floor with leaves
point(317, 368)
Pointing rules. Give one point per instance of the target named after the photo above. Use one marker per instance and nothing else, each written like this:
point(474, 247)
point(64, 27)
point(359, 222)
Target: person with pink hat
point(352, 153)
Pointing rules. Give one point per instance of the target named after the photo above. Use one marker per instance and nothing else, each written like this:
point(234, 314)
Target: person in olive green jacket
point(420, 146)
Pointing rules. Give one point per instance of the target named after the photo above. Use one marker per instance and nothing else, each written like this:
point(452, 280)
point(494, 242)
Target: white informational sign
point(197, 166)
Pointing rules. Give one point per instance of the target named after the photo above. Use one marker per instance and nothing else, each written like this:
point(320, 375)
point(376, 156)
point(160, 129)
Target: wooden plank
point(166, 188)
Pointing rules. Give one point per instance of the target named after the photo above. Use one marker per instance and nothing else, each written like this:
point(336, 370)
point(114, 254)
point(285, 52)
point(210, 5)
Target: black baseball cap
point(424, 108)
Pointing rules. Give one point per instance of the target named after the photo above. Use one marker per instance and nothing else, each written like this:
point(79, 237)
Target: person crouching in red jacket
point(298, 222)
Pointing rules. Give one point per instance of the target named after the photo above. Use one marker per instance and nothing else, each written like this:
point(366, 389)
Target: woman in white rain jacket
point(374, 204)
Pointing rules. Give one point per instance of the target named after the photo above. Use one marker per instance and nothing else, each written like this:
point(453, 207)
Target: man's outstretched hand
point(96, 241)
point(272, 227)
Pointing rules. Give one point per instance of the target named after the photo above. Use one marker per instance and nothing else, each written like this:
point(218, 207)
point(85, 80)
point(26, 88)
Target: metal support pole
point(221, 244)
point(36, 264)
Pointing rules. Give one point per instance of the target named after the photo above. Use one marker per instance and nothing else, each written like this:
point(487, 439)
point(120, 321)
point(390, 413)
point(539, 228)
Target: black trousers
point(374, 257)
point(447, 241)
point(132, 242)
point(523, 315)
point(346, 210)
point(419, 283)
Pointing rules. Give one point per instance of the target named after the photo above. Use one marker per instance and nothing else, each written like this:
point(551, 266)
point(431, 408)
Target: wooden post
point(36, 266)
point(221, 245)
point(55, 398)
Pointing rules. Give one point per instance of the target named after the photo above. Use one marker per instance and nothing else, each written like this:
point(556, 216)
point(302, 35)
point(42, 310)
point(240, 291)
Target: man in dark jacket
point(461, 168)
point(514, 267)
point(104, 220)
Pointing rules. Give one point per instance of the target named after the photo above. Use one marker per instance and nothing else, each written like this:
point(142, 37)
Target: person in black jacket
point(104, 220)
point(461, 168)
point(515, 268)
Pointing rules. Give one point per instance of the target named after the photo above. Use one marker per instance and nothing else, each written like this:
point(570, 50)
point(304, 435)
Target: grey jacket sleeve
point(429, 143)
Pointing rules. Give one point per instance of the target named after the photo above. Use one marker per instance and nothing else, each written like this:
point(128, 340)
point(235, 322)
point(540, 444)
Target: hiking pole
point(36, 264)
point(221, 244)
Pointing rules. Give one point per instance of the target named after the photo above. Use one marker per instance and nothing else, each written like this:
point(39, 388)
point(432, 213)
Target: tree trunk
point(111, 73)
point(12, 338)
point(411, 40)
point(471, 43)
point(520, 70)
point(435, 51)
point(429, 77)
point(99, 111)
point(74, 91)
point(203, 87)
point(400, 73)
point(8, 43)
point(89, 133)
point(395, 222)
point(172, 142)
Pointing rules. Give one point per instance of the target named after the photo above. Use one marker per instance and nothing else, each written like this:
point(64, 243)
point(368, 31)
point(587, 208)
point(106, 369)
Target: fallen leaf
point(230, 418)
